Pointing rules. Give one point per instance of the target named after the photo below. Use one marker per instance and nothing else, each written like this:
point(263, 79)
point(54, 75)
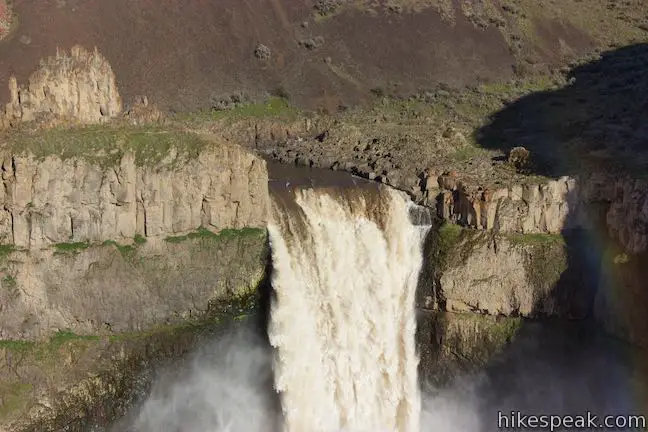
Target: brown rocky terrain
point(186, 56)
point(6, 19)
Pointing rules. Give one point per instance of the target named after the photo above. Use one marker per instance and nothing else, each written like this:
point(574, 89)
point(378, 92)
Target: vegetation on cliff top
point(277, 108)
point(535, 239)
point(104, 144)
point(224, 234)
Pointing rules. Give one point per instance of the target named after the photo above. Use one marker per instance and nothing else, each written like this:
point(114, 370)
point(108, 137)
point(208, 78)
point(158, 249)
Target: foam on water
point(343, 321)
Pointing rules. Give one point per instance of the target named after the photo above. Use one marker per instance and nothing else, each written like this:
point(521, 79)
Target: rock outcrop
point(56, 201)
point(496, 274)
point(111, 261)
point(452, 343)
point(550, 207)
point(53, 208)
point(529, 208)
point(114, 288)
point(79, 87)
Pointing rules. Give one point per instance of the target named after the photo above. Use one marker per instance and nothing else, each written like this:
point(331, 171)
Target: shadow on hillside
point(597, 123)
point(566, 365)
point(600, 115)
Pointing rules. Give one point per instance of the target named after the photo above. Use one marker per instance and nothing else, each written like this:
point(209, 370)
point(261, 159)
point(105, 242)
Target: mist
point(340, 345)
point(226, 385)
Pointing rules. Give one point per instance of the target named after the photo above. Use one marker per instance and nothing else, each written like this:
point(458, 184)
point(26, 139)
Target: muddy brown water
point(285, 177)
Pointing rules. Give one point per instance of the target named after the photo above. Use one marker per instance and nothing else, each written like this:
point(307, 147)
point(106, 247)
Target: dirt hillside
point(183, 55)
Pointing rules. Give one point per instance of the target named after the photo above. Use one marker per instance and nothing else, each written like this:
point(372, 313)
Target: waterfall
point(346, 264)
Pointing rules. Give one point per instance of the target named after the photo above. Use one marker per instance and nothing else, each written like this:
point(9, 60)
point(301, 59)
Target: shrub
point(519, 158)
point(230, 102)
point(262, 52)
point(327, 7)
point(312, 43)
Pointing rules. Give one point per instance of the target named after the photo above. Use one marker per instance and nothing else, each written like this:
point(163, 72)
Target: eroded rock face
point(56, 201)
point(551, 207)
point(530, 208)
point(79, 86)
point(452, 343)
point(112, 288)
point(510, 275)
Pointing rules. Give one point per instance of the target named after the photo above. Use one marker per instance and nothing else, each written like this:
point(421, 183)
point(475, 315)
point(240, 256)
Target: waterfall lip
point(286, 177)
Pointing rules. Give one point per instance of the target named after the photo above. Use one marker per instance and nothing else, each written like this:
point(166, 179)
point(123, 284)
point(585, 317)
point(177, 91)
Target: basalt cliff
point(122, 237)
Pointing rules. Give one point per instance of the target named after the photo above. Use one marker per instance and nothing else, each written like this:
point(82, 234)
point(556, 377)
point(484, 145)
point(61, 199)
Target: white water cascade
point(345, 270)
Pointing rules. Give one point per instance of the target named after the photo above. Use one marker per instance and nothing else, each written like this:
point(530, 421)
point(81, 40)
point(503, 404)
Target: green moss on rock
point(94, 376)
point(546, 258)
point(451, 343)
point(71, 247)
point(228, 233)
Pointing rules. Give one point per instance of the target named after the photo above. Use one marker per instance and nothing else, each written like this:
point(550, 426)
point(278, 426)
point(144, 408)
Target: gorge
point(167, 274)
point(477, 296)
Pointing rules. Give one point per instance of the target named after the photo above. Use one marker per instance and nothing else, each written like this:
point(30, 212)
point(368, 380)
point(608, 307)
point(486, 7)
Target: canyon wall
point(550, 207)
point(53, 201)
point(514, 204)
point(89, 246)
point(112, 289)
point(502, 275)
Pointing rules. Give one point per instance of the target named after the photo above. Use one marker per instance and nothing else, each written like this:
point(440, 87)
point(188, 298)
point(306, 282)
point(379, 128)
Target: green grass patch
point(16, 345)
point(522, 87)
point(466, 153)
point(449, 234)
point(63, 248)
point(225, 234)
point(448, 237)
point(47, 350)
point(535, 239)
point(139, 240)
point(126, 251)
point(9, 282)
point(275, 107)
point(6, 250)
point(64, 336)
point(105, 145)
point(15, 397)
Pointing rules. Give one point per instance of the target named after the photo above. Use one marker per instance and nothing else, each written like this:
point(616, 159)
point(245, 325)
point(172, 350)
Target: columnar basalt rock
point(55, 201)
point(78, 86)
point(550, 207)
point(87, 245)
point(529, 208)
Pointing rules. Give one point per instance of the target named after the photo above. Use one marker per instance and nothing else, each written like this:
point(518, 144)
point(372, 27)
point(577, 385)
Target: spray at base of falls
point(345, 270)
point(346, 264)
